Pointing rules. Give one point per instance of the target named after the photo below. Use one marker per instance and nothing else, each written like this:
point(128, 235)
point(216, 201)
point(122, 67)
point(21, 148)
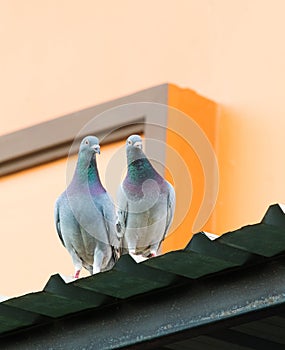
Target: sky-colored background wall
point(61, 56)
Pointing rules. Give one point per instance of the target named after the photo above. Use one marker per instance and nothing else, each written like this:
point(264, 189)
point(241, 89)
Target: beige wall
point(60, 56)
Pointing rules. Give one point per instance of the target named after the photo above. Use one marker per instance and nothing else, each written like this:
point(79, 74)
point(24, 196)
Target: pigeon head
point(90, 145)
point(134, 141)
point(86, 167)
point(134, 148)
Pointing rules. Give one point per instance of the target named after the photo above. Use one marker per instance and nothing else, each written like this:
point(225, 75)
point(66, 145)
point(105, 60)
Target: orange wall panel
point(192, 133)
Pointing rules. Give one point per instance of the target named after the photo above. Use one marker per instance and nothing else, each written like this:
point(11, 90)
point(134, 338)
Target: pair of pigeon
point(85, 218)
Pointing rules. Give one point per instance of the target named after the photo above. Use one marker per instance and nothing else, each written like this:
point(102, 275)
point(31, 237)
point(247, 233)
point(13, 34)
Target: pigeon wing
point(170, 208)
point(122, 212)
point(57, 220)
point(109, 218)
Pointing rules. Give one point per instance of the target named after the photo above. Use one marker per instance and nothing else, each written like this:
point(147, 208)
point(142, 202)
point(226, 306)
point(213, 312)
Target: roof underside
point(220, 294)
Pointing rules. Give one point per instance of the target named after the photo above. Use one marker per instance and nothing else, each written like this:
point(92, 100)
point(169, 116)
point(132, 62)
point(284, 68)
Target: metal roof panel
point(241, 249)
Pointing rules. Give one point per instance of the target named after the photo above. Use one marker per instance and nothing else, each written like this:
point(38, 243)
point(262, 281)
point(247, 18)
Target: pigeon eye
point(86, 142)
point(129, 142)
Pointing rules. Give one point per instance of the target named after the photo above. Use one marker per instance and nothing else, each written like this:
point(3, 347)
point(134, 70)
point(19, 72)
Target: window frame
point(143, 112)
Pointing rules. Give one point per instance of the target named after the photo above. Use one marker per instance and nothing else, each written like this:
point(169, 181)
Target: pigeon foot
point(152, 254)
point(77, 274)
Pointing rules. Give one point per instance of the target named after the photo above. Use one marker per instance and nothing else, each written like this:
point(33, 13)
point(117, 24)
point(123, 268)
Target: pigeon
point(85, 215)
point(146, 203)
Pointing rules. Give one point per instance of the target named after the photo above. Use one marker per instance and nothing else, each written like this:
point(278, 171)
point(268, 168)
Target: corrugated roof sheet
point(202, 257)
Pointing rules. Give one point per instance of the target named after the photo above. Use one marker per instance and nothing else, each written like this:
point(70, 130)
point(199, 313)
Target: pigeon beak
point(96, 148)
point(138, 144)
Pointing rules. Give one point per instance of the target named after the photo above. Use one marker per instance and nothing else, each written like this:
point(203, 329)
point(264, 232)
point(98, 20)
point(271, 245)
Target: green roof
point(202, 260)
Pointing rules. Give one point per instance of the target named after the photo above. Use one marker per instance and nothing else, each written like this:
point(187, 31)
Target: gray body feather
point(146, 204)
point(85, 215)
